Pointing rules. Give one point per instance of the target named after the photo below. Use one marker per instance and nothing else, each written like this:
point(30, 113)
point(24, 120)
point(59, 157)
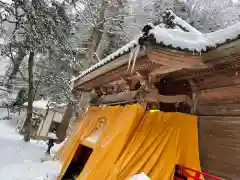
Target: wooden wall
point(218, 108)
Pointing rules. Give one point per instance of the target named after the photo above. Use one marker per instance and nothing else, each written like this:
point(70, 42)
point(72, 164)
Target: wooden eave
point(158, 61)
point(220, 61)
point(104, 69)
point(222, 51)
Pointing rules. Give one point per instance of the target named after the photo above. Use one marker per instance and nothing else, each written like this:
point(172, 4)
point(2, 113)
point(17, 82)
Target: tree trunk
point(28, 123)
point(17, 63)
point(62, 128)
point(97, 33)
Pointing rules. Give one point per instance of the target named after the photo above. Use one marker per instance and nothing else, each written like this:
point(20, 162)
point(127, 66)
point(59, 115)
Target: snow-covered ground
point(21, 160)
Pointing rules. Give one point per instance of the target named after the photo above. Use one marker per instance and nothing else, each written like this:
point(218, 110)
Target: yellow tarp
point(135, 141)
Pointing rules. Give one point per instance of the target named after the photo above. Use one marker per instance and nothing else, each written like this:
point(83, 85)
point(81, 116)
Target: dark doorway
point(170, 87)
point(78, 162)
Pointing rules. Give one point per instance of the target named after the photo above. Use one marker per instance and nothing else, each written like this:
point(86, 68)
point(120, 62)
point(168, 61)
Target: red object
point(182, 171)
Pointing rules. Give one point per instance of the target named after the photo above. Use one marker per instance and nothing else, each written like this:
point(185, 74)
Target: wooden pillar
point(83, 99)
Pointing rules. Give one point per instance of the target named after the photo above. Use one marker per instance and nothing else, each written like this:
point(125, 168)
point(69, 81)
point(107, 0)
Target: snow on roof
point(224, 35)
point(194, 41)
point(109, 58)
point(42, 104)
point(176, 38)
point(179, 21)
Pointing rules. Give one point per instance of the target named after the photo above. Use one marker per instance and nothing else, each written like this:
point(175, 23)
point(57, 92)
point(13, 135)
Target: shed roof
point(42, 104)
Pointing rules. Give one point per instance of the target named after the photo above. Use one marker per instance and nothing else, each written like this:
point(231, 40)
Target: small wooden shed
point(180, 69)
point(46, 117)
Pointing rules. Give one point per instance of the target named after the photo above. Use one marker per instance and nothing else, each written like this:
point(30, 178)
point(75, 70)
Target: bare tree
point(38, 26)
point(212, 15)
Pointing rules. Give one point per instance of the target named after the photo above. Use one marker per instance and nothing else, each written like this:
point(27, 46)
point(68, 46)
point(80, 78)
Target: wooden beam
point(222, 51)
point(154, 96)
point(169, 99)
point(163, 70)
point(106, 68)
point(176, 62)
point(123, 96)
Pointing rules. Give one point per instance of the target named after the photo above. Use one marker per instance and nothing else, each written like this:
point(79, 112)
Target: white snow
point(179, 38)
point(109, 58)
point(20, 160)
point(7, 1)
point(5, 62)
point(177, 20)
point(31, 171)
point(2, 41)
point(52, 135)
point(42, 104)
point(220, 36)
point(141, 176)
point(194, 41)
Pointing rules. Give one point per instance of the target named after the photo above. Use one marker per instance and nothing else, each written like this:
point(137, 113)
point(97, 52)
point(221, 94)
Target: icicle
point(130, 58)
point(135, 57)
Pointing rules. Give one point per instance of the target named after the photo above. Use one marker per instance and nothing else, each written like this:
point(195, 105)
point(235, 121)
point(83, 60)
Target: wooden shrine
point(206, 84)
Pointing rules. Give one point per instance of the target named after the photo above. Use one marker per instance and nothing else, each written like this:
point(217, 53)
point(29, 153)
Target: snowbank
point(20, 160)
point(48, 170)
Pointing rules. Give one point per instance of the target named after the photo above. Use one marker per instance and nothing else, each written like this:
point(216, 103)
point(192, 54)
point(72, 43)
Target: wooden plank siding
point(218, 109)
point(219, 140)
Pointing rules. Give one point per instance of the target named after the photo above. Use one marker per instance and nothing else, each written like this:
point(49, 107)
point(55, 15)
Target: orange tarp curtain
point(74, 139)
point(67, 152)
point(83, 130)
point(135, 141)
point(161, 141)
point(114, 140)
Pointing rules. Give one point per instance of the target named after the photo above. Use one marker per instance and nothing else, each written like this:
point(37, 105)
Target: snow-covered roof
point(193, 41)
point(182, 37)
point(109, 58)
point(42, 104)
point(182, 23)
